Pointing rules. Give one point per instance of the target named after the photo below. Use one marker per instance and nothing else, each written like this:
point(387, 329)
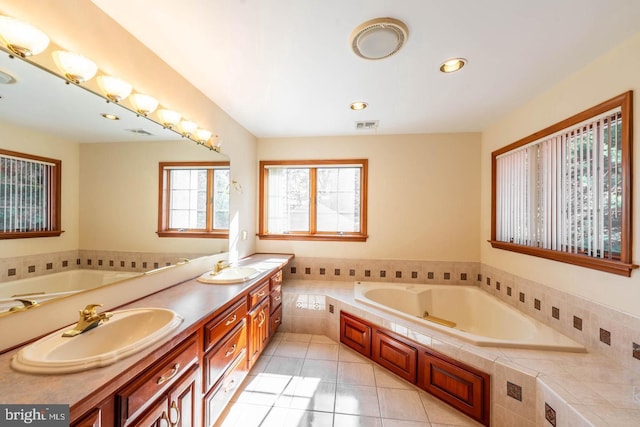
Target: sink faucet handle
point(90, 310)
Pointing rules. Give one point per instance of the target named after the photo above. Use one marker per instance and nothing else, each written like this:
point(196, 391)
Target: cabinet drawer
point(258, 294)
point(276, 280)
point(275, 320)
point(395, 355)
point(221, 394)
point(276, 297)
point(142, 390)
point(225, 322)
point(355, 334)
point(223, 354)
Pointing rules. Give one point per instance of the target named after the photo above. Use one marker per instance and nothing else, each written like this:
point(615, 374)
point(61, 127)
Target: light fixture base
point(379, 38)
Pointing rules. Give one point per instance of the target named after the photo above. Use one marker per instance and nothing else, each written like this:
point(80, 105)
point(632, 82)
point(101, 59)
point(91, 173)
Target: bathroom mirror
point(110, 167)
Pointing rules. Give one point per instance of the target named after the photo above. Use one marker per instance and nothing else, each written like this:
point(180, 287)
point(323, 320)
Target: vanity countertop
point(193, 300)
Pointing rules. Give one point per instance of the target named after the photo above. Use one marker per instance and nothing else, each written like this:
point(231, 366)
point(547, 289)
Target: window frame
point(163, 201)
point(622, 266)
point(313, 235)
point(55, 208)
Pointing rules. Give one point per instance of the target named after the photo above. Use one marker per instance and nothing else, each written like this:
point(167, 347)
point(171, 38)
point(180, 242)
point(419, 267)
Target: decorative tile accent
point(100, 263)
point(331, 308)
point(447, 276)
point(336, 271)
point(430, 275)
point(293, 270)
point(479, 277)
point(508, 290)
point(11, 272)
point(383, 273)
point(65, 263)
point(352, 272)
point(636, 351)
point(605, 336)
point(367, 273)
point(49, 266)
point(497, 286)
point(133, 264)
point(79, 262)
point(463, 276)
point(536, 304)
point(111, 263)
point(31, 269)
point(555, 313)
point(155, 264)
point(521, 297)
point(398, 274)
point(307, 270)
point(322, 271)
point(89, 261)
point(577, 323)
point(414, 274)
point(488, 281)
point(550, 414)
point(514, 391)
point(122, 264)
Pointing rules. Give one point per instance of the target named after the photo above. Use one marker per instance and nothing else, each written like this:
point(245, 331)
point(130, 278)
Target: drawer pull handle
point(164, 420)
point(174, 411)
point(275, 322)
point(230, 321)
point(168, 374)
point(231, 350)
point(262, 318)
point(278, 298)
point(230, 386)
point(261, 294)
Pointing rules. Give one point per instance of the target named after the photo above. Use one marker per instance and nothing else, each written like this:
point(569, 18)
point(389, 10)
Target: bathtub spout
point(26, 303)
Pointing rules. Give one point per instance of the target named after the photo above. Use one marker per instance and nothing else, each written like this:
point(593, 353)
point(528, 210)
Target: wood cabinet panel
point(275, 320)
point(258, 294)
point(463, 387)
point(395, 355)
point(355, 334)
point(216, 400)
point(276, 297)
point(258, 330)
point(223, 354)
point(276, 279)
point(216, 329)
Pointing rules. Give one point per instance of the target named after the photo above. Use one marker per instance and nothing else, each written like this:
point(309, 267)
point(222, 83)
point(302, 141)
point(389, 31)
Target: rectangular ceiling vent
point(367, 125)
point(139, 132)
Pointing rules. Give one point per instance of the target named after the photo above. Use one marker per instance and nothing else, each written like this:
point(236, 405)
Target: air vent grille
point(367, 125)
point(139, 132)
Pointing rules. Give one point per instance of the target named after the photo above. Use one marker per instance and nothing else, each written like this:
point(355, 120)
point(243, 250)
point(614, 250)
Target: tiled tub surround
point(16, 268)
point(528, 386)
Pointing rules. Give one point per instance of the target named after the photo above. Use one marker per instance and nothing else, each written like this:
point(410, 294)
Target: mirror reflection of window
point(194, 199)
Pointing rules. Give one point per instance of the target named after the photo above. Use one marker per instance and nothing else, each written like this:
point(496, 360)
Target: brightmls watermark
point(34, 415)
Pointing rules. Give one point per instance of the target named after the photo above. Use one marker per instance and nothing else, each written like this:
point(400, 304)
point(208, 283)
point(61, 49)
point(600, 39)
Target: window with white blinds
point(313, 199)
point(29, 195)
point(567, 190)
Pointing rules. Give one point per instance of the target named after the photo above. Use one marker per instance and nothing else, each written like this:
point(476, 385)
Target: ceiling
point(285, 68)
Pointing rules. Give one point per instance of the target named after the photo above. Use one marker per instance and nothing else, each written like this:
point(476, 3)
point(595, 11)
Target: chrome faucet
point(220, 265)
point(89, 319)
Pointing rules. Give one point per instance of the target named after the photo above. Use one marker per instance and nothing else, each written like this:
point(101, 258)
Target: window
point(565, 193)
point(194, 199)
point(30, 188)
point(313, 200)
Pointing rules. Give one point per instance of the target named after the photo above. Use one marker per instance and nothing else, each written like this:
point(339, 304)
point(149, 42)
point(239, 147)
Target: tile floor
point(310, 380)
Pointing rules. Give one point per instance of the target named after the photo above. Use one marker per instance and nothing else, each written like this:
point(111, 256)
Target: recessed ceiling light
point(358, 105)
point(6, 78)
point(378, 38)
point(110, 116)
point(452, 65)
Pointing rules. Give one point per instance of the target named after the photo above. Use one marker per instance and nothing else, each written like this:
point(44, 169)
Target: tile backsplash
point(599, 328)
point(23, 267)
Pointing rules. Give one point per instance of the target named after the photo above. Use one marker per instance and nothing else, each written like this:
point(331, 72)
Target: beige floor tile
point(387, 379)
point(345, 354)
point(322, 351)
point(284, 365)
point(312, 395)
point(288, 417)
point(292, 349)
point(440, 413)
point(244, 415)
point(296, 337)
point(401, 404)
point(387, 422)
point(263, 389)
point(344, 420)
point(324, 370)
point(357, 400)
point(322, 339)
point(356, 373)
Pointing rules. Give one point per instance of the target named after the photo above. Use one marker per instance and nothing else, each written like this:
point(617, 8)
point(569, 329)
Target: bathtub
point(43, 288)
point(465, 312)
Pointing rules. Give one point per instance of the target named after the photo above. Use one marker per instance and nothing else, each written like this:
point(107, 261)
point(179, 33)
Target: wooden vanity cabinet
point(396, 355)
point(355, 333)
point(258, 330)
point(275, 301)
point(100, 416)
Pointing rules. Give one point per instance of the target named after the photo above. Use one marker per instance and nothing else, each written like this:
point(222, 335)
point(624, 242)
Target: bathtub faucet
point(89, 319)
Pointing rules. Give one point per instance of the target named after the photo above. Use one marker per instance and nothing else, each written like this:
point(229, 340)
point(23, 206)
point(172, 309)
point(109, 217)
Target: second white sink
point(229, 275)
point(125, 333)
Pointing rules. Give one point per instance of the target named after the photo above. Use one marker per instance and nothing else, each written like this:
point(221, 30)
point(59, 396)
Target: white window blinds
point(564, 192)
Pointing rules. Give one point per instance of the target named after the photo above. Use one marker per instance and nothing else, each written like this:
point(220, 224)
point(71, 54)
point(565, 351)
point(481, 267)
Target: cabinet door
point(276, 320)
point(184, 401)
point(395, 355)
point(355, 334)
point(156, 416)
point(258, 330)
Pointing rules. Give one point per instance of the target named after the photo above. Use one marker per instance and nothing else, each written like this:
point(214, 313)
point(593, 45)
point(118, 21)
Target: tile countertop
point(193, 300)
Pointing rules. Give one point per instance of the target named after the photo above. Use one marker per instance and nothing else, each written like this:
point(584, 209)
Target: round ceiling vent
point(379, 38)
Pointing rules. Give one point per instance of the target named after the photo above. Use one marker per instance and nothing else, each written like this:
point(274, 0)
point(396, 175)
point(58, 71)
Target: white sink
point(125, 333)
point(229, 275)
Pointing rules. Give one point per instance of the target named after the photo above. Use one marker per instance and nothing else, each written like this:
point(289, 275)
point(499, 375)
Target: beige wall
point(423, 195)
point(40, 144)
point(611, 75)
point(119, 194)
point(80, 26)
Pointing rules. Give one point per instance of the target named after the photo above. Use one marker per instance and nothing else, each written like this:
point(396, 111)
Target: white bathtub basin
point(229, 275)
point(125, 333)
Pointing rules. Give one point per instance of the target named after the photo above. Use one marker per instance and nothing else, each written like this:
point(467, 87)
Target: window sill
point(30, 234)
point(316, 237)
point(193, 234)
point(609, 266)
